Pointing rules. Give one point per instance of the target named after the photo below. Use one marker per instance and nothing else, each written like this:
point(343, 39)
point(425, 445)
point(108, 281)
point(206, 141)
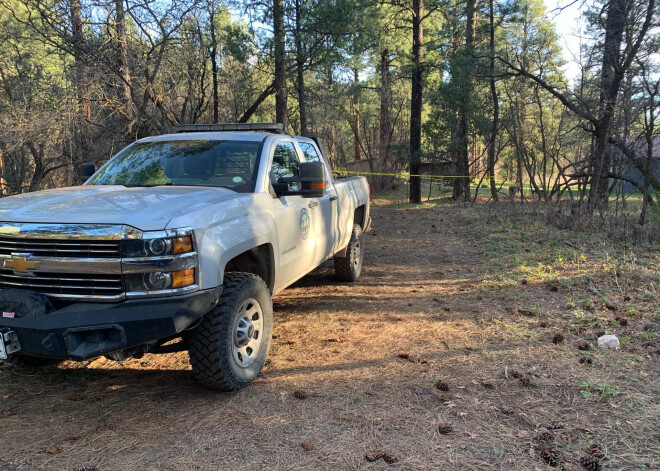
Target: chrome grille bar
point(55, 248)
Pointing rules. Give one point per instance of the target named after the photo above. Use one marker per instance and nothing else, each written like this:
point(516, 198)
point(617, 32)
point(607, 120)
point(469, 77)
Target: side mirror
point(311, 179)
point(312, 176)
point(87, 170)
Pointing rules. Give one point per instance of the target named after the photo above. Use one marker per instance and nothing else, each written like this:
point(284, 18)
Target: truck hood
point(146, 208)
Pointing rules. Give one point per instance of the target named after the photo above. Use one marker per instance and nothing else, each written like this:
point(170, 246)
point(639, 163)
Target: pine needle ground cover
point(469, 343)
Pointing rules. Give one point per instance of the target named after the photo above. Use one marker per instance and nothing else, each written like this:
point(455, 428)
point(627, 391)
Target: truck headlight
point(160, 263)
point(157, 281)
point(158, 243)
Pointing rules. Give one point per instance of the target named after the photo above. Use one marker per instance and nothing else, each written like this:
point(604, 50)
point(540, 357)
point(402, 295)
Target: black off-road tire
point(25, 361)
point(348, 268)
point(212, 345)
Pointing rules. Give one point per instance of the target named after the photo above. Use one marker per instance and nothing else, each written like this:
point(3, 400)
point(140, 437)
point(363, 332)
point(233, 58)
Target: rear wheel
point(229, 347)
point(348, 268)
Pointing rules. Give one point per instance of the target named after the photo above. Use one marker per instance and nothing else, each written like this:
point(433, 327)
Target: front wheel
point(348, 268)
point(229, 347)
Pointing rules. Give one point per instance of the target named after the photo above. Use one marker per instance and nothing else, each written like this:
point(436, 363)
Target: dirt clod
point(53, 450)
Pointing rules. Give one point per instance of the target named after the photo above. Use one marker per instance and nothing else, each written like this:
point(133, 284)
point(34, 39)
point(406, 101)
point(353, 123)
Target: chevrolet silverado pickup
point(177, 243)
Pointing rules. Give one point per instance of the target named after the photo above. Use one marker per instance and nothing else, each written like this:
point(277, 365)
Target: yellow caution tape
point(485, 181)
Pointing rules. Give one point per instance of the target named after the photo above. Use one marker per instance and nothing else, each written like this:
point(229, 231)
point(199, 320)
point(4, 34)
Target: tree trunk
point(82, 138)
point(416, 102)
point(356, 115)
point(280, 63)
point(214, 65)
point(496, 106)
point(462, 185)
point(124, 68)
point(300, 70)
point(385, 118)
point(610, 80)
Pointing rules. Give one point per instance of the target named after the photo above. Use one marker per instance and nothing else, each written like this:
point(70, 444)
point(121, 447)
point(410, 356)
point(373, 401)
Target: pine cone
point(558, 338)
point(300, 394)
point(390, 458)
point(547, 437)
point(596, 451)
point(516, 374)
point(591, 463)
point(445, 428)
point(373, 455)
point(551, 456)
point(442, 386)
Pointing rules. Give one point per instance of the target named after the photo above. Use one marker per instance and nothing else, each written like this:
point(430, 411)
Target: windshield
point(229, 164)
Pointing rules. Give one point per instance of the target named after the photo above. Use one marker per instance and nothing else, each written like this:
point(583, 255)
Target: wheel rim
point(356, 252)
point(247, 333)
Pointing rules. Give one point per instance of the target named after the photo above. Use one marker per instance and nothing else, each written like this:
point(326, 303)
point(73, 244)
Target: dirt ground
point(469, 343)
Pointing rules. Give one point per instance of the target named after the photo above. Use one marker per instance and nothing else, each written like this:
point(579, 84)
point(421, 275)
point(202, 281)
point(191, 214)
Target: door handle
point(313, 204)
point(333, 197)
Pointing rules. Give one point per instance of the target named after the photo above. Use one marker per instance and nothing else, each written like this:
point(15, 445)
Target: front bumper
point(87, 330)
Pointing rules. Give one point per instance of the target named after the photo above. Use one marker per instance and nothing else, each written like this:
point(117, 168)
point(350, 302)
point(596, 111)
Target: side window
point(310, 153)
point(286, 163)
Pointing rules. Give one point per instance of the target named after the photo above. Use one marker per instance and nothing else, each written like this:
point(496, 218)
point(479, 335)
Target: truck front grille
point(60, 247)
point(75, 284)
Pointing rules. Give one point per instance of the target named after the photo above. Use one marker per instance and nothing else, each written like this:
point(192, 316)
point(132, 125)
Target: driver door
point(293, 217)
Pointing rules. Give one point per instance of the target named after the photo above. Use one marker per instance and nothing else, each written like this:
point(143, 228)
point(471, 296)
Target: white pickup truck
point(177, 243)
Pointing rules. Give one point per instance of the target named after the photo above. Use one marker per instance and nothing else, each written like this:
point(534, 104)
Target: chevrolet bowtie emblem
point(19, 264)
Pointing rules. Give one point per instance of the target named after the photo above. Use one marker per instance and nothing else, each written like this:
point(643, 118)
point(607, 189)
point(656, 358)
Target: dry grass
point(468, 296)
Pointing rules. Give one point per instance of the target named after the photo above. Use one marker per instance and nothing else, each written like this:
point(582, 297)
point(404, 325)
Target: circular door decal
point(304, 223)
